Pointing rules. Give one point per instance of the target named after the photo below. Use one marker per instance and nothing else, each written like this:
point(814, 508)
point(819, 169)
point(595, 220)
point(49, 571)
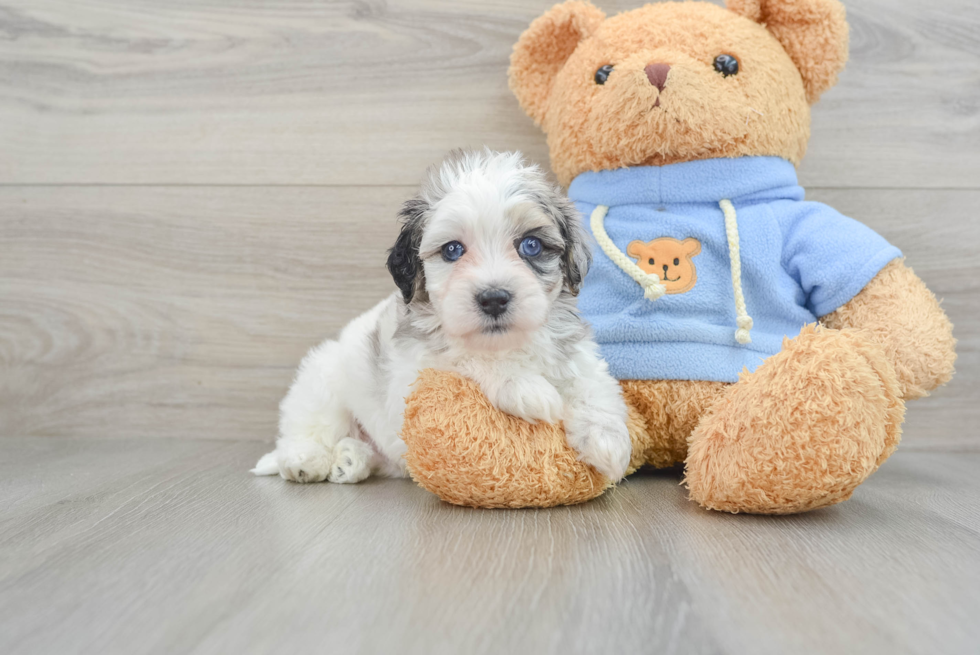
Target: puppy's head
point(487, 246)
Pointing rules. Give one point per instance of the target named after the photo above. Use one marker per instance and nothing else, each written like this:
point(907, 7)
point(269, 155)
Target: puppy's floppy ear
point(543, 49)
point(577, 258)
point(404, 262)
point(813, 33)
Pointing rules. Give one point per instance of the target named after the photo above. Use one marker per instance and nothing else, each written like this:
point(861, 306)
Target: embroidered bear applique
point(670, 259)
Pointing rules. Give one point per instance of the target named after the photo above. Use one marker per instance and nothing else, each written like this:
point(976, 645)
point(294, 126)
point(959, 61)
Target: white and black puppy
point(488, 263)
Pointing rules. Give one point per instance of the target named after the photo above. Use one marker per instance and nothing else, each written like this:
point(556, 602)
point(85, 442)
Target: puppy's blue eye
point(452, 251)
point(530, 247)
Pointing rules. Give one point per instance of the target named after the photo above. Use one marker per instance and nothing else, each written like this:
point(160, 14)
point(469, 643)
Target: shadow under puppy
point(488, 262)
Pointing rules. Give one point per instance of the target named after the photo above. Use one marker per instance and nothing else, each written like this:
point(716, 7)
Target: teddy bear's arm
point(906, 319)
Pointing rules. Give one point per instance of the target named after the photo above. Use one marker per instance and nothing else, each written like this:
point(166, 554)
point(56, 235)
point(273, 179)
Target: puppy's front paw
point(352, 462)
point(304, 462)
point(601, 439)
point(531, 398)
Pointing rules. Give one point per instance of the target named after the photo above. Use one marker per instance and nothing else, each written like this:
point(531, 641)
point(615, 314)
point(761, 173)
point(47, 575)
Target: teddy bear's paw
point(352, 462)
point(601, 439)
point(531, 398)
point(304, 461)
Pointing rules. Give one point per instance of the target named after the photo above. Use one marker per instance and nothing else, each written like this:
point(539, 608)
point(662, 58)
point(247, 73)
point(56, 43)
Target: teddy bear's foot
point(802, 431)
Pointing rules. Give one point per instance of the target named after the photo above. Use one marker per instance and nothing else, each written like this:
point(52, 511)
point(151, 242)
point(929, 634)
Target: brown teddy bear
point(776, 365)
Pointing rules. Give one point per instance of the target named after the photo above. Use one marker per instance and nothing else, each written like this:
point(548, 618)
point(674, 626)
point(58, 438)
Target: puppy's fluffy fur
point(526, 346)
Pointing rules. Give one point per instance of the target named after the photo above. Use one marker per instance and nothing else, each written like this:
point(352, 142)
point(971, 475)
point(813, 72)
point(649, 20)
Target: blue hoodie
point(799, 261)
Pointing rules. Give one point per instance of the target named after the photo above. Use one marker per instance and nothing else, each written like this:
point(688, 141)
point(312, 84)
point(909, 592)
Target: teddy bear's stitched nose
point(657, 74)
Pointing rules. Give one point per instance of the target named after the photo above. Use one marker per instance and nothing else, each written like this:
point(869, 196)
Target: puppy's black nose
point(665, 268)
point(493, 302)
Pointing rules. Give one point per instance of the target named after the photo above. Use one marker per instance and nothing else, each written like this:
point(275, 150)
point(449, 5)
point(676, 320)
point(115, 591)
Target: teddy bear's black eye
point(651, 261)
point(726, 65)
point(677, 262)
point(602, 74)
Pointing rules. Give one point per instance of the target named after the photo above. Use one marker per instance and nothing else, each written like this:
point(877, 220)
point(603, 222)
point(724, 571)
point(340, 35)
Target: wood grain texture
point(371, 92)
point(183, 312)
point(176, 312)
point(158, 546)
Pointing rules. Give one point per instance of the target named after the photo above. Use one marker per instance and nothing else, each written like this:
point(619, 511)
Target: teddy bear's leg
point(802, 431)
point(467, 452)
point(662, 416)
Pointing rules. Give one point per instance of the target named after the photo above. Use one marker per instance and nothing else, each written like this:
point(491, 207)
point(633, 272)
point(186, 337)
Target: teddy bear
point(766, 343)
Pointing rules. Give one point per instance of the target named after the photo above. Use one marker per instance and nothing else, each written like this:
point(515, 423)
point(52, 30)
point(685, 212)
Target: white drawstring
point(653, 288)
point(742, 318)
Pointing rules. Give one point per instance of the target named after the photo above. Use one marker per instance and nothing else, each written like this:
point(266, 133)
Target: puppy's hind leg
point(353, 461)
point(312, 420)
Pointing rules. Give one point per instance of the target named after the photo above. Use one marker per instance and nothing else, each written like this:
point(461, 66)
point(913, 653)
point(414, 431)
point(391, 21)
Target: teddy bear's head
point(677, 81)
point(669, 259)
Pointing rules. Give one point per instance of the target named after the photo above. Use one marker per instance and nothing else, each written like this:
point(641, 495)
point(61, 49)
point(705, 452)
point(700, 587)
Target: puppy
point(488, 263)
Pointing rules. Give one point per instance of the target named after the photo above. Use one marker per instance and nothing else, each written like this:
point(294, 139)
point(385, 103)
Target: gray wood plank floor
point(157, 546)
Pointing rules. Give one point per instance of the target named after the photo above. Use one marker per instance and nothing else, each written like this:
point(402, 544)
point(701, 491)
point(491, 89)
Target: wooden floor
point(156, 546)
point(194, 192)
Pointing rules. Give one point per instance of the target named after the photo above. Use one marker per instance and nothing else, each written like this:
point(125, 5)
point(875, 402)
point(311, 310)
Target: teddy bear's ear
point(813, 33)
point(635, 248)
point(691, 246)
point(542, 50)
